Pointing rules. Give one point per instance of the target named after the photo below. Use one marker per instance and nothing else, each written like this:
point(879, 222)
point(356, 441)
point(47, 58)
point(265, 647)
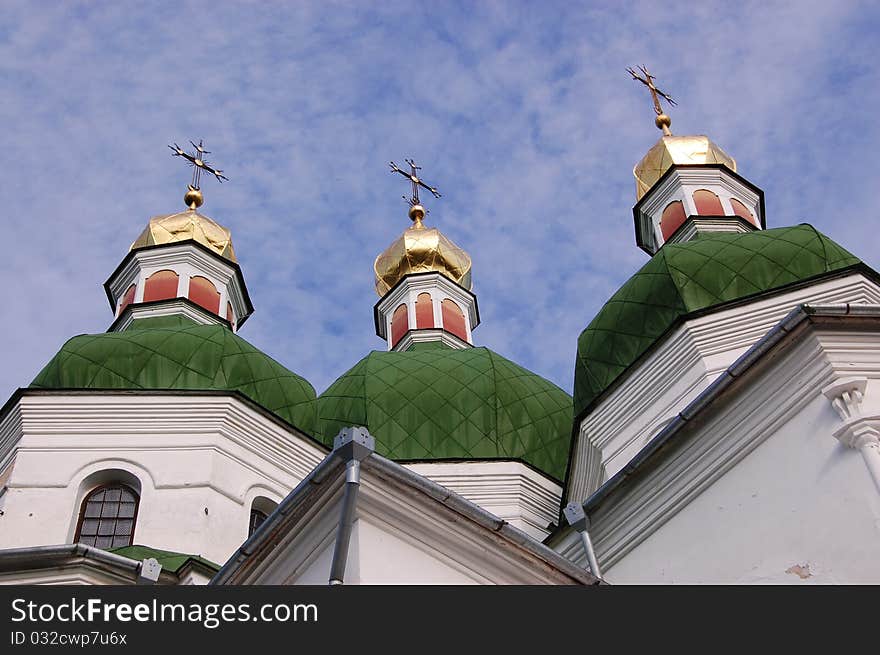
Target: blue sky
point(520, 112)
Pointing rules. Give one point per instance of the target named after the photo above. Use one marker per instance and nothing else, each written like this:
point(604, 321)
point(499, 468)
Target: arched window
point(230, 316)
point(257, 518)
point(399, 324)
point(260, 510)
point(203, 293)
point(672, 218)
point(424, 311)
point(127, 299)
point(707, 203)
point(453, 319)
point(741, 210)
point(161, 285)
point(107, 516)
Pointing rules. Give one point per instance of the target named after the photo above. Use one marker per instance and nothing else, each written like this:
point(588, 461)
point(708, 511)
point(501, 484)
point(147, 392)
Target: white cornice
point(430, 336)
point(684, 363)
point(222, 274)
point(698, 178)
point(405, 513)
point(508, 489)
point(170, 307)
point(140, 422)
point(707, 449)
point(695, 225)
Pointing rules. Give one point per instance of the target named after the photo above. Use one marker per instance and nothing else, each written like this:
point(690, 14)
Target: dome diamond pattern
point(451, 404)
point(689, 277)
point(173, 352)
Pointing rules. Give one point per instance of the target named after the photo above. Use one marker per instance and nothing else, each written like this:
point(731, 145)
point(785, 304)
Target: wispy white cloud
point(520, 112)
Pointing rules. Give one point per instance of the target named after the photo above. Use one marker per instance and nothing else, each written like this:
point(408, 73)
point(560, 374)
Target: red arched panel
point(399, 324)
point(161, 285)
point(672, 218)
point(741, 210)
point(424, 311)
point(203, 293)
point(127, 299)
point(453, 319)
point(707, 203)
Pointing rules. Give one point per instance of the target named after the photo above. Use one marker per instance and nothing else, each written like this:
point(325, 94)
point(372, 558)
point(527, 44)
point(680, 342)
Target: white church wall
point(199, 461)
point(683, 365)
point(801, 508)
point(388, 556)
point(762, 491)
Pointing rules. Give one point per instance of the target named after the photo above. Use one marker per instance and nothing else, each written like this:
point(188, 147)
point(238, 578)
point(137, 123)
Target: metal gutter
point(480, 516)
point(35, 557)
point(791, 323)
point(576, 518)
point(271, 531)
point(266, 534)
point(352, 445)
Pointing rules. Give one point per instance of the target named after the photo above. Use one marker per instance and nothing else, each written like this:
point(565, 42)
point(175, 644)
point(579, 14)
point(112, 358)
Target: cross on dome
point(193, 197)
point(662, 121)
point(416, 211)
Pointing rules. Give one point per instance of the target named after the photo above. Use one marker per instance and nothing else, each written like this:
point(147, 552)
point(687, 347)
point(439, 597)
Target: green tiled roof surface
point(443, 403)
point(173, 352)
point(688, 277)
point(170, 561)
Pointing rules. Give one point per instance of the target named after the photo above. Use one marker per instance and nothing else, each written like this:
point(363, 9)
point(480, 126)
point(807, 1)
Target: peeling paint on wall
point(800, 570)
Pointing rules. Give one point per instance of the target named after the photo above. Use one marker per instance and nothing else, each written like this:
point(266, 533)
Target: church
point(724, 425)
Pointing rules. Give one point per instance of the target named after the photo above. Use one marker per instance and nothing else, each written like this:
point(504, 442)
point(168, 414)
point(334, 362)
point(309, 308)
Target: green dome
point(173, 352)
point(690, 277)
point(437, 403)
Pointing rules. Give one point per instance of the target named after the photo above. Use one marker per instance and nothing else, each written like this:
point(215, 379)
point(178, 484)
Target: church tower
point(167, 437)
point(424, 282)
point(456, 413)
point(718, 354)
point(181, 264)
point(688, 185)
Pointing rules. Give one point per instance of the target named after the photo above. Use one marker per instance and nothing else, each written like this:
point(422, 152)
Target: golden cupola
point(672, 151)
point(188, 225)
point(424, 282)
point(181, 264)
point(421, 249)
point(687, 186)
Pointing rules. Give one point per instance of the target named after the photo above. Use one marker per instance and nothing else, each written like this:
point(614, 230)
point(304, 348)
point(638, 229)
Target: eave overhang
point(778, 340)
point(329, 475)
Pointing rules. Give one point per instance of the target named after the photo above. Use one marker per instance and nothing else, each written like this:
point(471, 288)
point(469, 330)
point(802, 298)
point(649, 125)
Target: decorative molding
point(694, 226)
point(510, 490)
point(129, 423)
point(846, 396)
point(405, 514)
point(439, 287)
point(721, 439)
point(680, 183)
point(858, 431)
point(169, 307)
point(682, 365)
point(186, 259)
point(428, 336)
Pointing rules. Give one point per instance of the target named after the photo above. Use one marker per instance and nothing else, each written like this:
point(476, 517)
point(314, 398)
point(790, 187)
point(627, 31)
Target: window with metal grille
point(107, 517)
point(257, 518)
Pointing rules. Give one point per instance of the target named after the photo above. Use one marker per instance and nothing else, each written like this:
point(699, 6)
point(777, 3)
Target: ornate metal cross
point(197, 161)
point(662, 120)
point(417, 182)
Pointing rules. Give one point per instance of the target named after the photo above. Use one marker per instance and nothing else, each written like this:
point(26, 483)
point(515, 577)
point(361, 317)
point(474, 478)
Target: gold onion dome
point(184, 226)
point(421, 249)
point(676, 150)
